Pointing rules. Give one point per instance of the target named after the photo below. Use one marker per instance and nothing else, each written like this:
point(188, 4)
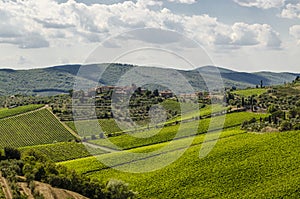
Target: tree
point(243, 101)
point(116, 189)
point(39, 172)
point(71, 92)
point(148, 93)
point(101, 135)
point(292, 113)
point(156, 93)
point(12, 153)
point(93, 137)
point(272, 109)
point(261, 83)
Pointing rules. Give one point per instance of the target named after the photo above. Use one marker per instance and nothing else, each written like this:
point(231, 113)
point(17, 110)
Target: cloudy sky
point(245, 35)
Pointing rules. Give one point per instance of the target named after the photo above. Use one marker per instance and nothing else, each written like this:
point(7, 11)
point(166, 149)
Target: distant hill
point(60, 79)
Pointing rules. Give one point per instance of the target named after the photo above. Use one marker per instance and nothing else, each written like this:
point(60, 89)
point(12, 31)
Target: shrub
point(296, 126)
point(116, 189)
point(285, 126)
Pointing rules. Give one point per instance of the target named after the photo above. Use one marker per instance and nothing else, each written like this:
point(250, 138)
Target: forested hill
point(60, 79)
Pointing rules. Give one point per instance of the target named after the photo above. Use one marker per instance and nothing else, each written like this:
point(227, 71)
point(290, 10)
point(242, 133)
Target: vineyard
point(127, 141)
point(8, 112)
point(34, 128)
point(234, 169)
point(64, 151)
point(107, 126)
point(203, 112)
point(92, 164)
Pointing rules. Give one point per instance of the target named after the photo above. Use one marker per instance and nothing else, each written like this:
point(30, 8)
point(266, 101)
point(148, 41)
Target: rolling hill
point(60, 79)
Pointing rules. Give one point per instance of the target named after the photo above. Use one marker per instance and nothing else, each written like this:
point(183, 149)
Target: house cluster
point(123, 90)
point(116, 89)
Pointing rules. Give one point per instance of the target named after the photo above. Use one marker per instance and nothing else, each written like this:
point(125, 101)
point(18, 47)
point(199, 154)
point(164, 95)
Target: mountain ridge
point(60, 79)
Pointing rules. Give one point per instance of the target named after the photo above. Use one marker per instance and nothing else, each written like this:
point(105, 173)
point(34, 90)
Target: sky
point(243, 35)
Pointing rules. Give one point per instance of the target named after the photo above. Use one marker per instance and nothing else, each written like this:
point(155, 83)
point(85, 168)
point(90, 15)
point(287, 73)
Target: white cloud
point(244, 34)
point(291, 11)
point(43, 23)
point(263, 4)
point(184, 1)
point(14, 31)
point(295, 32)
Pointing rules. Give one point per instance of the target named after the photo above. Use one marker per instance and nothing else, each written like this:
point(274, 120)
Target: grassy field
point(34, 128)
point(127, 141)
point(64, 151)
point(243, 165)
point(6, 112)
point(250, 92)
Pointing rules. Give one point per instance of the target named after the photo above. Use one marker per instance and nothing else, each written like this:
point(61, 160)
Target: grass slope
point(34, 128)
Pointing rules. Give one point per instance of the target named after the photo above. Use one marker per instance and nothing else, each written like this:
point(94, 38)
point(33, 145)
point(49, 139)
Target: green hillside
point(34, 128)
point(240, 166)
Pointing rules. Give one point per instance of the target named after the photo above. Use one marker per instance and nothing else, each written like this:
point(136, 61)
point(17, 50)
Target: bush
point(296, 126)
point(285, 126)
point(244, 124)
point(93, 137)
point(253, 120)
point(116, 189)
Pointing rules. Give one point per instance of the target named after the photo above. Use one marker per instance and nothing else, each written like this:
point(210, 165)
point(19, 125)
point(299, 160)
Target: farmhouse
point(166, 94)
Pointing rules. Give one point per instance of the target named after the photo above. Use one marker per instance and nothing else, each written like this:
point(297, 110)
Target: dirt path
point(95, 146)
point(5, 187)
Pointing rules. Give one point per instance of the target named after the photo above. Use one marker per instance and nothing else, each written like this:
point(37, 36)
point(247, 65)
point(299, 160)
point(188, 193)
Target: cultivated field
point(242, 165)
point(8, 112)
point(127, 141)
point(34, 128)
point(64, 151)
